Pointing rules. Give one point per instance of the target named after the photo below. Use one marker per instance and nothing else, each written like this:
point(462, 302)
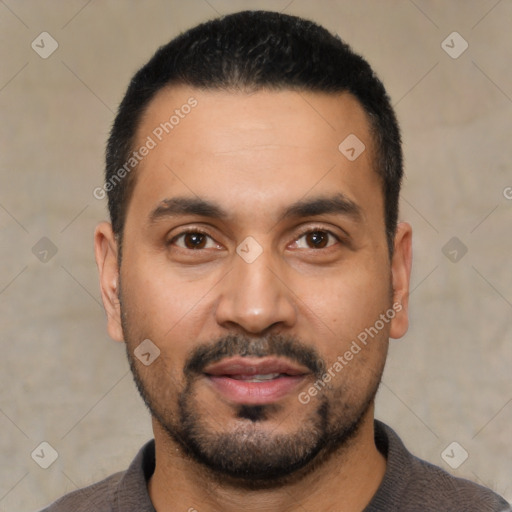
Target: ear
point(105, 251)
point(401, 274)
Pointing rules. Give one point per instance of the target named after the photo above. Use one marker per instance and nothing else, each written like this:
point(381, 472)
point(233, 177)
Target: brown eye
point(317, 239)
point(194, 240)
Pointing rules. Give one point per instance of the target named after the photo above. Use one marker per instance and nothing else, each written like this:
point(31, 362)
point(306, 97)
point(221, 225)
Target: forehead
point(250, 151)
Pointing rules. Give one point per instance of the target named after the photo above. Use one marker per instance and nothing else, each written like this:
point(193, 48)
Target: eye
point(194, 240)
point(316, 239)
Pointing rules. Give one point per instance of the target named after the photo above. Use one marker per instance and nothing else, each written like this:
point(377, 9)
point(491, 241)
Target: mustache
point(238, 345)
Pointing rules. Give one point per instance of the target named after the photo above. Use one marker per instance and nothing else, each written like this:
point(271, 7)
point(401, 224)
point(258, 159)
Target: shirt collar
point(132, 490)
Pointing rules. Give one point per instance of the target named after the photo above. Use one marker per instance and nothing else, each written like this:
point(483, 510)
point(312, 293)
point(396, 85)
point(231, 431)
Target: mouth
point(254, 381)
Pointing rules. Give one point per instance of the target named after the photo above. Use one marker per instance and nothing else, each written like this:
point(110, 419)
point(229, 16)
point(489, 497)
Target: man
point(255, 269)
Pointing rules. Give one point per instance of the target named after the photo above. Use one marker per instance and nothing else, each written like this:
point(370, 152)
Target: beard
point(250, 453)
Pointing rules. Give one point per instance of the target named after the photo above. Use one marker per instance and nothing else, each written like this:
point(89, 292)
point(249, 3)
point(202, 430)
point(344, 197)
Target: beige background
point(64, 382)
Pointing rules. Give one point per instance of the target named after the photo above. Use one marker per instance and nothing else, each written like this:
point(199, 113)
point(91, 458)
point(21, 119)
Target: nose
point(254, 297)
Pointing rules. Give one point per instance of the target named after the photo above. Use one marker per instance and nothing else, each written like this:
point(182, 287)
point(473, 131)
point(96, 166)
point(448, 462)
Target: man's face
point(254, 254)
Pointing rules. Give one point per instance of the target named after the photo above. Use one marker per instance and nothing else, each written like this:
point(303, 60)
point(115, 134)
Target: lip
point(254, 366)
point(221, 376)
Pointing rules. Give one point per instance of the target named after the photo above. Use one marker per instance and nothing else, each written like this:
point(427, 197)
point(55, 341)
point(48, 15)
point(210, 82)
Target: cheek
point(165, 306)
point(347, 301)
point(342, 310)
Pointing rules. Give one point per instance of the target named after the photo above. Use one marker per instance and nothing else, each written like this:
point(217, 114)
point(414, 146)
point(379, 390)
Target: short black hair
point(250, 51)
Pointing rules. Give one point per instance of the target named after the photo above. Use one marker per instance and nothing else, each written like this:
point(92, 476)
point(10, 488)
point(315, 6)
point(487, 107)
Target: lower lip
point(253, 393)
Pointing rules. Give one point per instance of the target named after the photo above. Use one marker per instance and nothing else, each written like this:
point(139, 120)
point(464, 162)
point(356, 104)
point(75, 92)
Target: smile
point(253, 381)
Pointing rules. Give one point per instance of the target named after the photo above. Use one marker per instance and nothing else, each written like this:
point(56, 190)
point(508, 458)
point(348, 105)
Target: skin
point(255, 155)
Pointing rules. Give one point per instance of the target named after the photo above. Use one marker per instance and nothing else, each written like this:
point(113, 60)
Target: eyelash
point(322, 230)
point(307, 232)
point(187, 232)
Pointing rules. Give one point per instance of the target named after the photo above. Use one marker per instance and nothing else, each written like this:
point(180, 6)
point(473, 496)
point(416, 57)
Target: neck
point(344, 481)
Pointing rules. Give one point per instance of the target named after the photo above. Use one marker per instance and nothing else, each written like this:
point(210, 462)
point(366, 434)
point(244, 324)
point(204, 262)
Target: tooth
point(257, 378)
point(266, 376)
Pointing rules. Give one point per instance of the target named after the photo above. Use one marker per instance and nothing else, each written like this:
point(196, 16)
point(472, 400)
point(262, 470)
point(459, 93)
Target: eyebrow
point(187, 206)
point(336, 204)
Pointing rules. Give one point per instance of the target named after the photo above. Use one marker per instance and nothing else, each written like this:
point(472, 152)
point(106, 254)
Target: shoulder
point(442, 491)
point(125, 491)
point(98, 497)
point(412, 484)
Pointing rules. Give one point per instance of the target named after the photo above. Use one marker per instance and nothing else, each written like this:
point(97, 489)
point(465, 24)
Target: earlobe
point(105, 250)
point(401, 274)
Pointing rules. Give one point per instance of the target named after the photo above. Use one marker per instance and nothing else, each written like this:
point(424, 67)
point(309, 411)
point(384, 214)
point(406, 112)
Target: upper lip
point(253, 366)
